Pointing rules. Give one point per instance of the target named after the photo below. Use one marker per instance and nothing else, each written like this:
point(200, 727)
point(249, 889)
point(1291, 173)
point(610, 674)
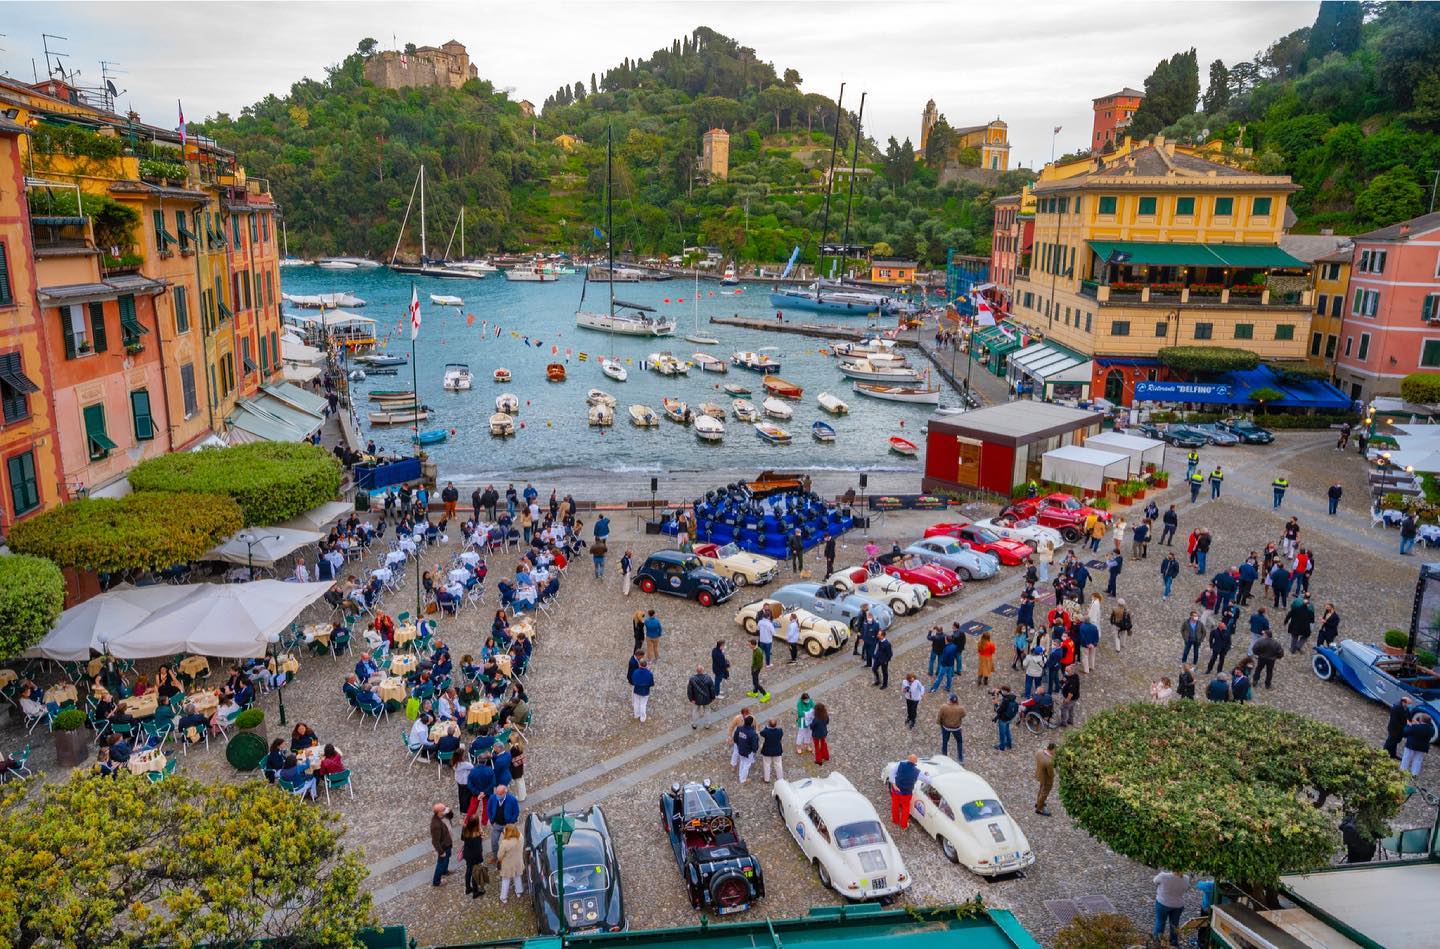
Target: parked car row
point(1224, 433)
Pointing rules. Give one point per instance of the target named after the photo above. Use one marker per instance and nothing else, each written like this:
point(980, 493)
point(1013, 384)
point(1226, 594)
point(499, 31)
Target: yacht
point(627, 319)
point(457, 377)
point(529, 273)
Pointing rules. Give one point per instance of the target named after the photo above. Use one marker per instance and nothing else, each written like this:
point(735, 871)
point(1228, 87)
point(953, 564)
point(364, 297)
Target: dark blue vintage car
point(1378, 675)
point(680, 574)
point(586, 892)
point(719, 871)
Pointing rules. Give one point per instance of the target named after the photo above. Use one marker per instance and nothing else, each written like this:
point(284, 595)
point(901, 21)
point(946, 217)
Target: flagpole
point(415, 392)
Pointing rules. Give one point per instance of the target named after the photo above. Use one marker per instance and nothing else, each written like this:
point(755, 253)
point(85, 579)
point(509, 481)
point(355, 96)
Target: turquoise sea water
point(555, 433)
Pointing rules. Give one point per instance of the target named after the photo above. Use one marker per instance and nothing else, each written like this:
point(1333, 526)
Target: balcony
point(1192, 293)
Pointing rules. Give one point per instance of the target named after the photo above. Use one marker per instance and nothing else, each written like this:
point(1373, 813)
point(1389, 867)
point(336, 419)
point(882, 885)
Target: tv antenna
point(58, 66)
point(107, 84)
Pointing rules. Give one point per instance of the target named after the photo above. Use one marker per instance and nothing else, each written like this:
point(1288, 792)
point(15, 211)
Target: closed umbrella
point(261, 546)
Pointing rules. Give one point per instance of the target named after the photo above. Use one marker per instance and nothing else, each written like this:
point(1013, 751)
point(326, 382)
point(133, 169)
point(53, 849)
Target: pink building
point(1392, 312)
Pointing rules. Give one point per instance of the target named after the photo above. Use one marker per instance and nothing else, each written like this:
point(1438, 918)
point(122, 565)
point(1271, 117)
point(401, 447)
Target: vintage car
point(1378, 675)
point(961, 810)
point(680, 574)
point(1011, 553)
point(1247, 431)
point(1217, 434)
point(740, 566)
point(940, 581)
point(1177, 435)
point(841, 836)
point(824, 600)
point(1029, 530)
point(817, 634)
point(587, 894)
point(968, 564)
point(1061, 511)
point(900, 595)
point(719, 872)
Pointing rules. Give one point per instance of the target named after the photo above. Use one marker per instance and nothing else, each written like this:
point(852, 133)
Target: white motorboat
point(833, 405)
point(501, 375)
point(643, 416)
point(599, 397)
point(864, 347)
point(476, 266)
point(530, 274)
point(709, 429)
point(879, 360)
point(403, 416)
point(626, 319)
point(440, 299)
point(334, 264)
point(613, 369)
point(356, 263)
point(745, 410)
point(920, 394)
point(507, 402)
point(775, 408)
point(867, 371)
point(709, 363)
point(600, 273)
point(601, 415)
point(457, 377)
point(501, 425)
point(729, 279)
point(711, 409)
point(755, 362)
point(772, 433)
point(666, 364)
point(323, 301)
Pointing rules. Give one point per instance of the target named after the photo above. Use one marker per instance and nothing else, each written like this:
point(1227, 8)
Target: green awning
point(1257, 255)
point(131, 324)
point(186, 233)
point(101, 441)
point(1143, 253)
point(225, 313)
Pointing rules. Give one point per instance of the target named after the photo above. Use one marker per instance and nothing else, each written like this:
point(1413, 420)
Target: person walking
point(625, 573)
point(510, 860)
point(765, 634)
point(1114, 565)
point(472, 850)
point(1267, 652)
point(792, 636)
point(951, 719)
point(1140, 540)
point(1217, 477)
point(1409, 528)
point(719, 667)
point(637, 629)
point(1418, 734)
point(747, 743)
point(441, 840)
point(1395, 726)
point(1333, 496)
point(1259, 623)
point(1034, 669)
point(1192, 463)
point(985, 650)
point(1197, 481)
point(1279, 584)
point(902, 791)
point(913, 690)
point(642, 680)
point(829, 554)
point(804, 707)
point(653, 632)
point(1220, 639)
point(701, 692)
point(1202, 549)
point(1169, 522)
point(820, 732)
point(1045, 775)
point(946, 673)
point(796, 547)
point(880, 662)
point(1191, 631)
point(598, 550)
point(757, 663)
point(1298, 622)
point(1069, 695)
point(1006, 708)
point(1278, 487)
point(772, 749)
point(1170, 891)
point(1169, 570)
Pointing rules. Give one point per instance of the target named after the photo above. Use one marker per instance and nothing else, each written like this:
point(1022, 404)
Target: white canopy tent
point(83, 630)
point(317, 518)
point(261, 546)
point(1083, 467)
point(1142, 451)
point(1423, 460)
point(219, 619)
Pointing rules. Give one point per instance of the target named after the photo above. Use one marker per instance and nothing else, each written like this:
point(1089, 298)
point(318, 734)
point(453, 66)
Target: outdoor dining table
point(407, 545)
point(60, 694)
point(470, 557)
point(140, 706)
point(481, 713)
point(7, 676)
point(406, 632)
point(392, 689)
point(151, 759)
point(287, 663)
point(440, 729)
point(502, 662)
point(319, 632)
point(402, 665)
point(310, 757)
point(1429, 532)
point(203, 703)
point(395, 556)
point(194, 665)
point(459, 575)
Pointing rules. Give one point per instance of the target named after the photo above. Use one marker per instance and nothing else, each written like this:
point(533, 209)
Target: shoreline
point(678, 484)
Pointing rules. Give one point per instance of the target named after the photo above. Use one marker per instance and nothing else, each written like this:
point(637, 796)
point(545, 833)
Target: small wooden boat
point(921, 394)
point(712, 410)
point(502, 425)
point(392, 395)
point(833, 405)
point(666, 364)
point(864, 347)
point(433, 436)
point(507, 402)
point(643, 416)
point(772, 433)
point(774, 408)
point(882, 360)
point(440, 299)
point(613, 369)
point(777, 386)
point(601, 415)
point(501, 375)
point(735, 389)
point(903, 446)
point(822, 432)
point(867, 371)
point(709, 429)
point(676, 411)
point(745, 410)
point(598, 397)
point(399, 416)
point(755, 362)
point(555, 372)
point(457, 377)
point(709, 363)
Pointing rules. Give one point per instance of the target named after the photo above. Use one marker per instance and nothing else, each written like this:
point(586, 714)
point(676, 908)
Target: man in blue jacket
point(946, 667)
point(481, 782)
point(642, 680)
point(1248, 575)
point(501, 810)
point(880, 662)
point(720, 666)
point(902, 791)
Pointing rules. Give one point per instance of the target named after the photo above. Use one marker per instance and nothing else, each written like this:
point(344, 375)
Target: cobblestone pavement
point(586, 748)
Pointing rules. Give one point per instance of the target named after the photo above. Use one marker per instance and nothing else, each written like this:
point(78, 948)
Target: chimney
point(1404, 228)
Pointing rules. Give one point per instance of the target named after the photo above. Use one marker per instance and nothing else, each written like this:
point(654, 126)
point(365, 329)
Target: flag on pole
point(1057, 130)
point(414, 312)
point(181, 109)
point(983, 314)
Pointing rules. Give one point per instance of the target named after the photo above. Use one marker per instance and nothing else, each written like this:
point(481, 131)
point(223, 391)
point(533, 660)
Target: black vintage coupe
point(589, 899)
point(719, 872)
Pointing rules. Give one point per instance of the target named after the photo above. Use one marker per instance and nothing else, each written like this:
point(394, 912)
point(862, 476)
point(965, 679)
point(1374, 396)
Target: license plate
point(727, 910)
point(877, 883)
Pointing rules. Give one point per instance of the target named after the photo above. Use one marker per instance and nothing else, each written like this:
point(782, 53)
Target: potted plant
point(1395, 641)
point(1137, 489)
point(251, 720)
point(1162, 480)
point(72, 742)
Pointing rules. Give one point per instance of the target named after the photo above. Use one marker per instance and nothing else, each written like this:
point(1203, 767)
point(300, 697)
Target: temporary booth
point(1083, 467)
point(997, 448)
point(1142, 451)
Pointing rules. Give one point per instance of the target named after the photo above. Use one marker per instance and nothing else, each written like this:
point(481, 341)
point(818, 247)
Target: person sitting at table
point(225, 711)
point(371, 594)
point(193, 726)
point(427, 580)
point(165, 685)
point(421, 677)
point(351, 688)
point(104, 704)
point(302, 737)
point(234, 678)
point(448, 599)
point(525, 596)
point(299, 776)
point(366, 669)
point(330, 763)
point(367, 696)
point(245, 695)
point(517, 710)
point(420, 734)
point(450, 705)
point(443, 665)
point(104, 766)
point(142, 686)
point(449, 741)
point(520, 651)
point(495, 686)
point(274, 759)
point(28, 704)
point(118, 716)
point(120, 749)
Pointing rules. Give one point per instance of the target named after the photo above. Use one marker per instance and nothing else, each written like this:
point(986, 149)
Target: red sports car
point(1060, 511)
point(940, 581)
point(1012, 553)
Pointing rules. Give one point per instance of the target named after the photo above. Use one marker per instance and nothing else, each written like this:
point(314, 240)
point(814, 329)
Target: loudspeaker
point(864, 480)
point(654, 485)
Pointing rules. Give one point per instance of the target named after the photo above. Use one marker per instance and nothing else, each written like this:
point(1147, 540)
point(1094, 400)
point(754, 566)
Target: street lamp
point(251, 541)
point(274, 640)
point(561, 827)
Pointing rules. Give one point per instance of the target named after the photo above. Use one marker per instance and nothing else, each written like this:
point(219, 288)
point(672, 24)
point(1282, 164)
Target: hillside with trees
point(342, 154)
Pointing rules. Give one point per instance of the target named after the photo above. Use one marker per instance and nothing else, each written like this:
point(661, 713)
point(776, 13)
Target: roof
point(1007, 199)
point(1014, 423)
point(1313, 247)
point(1404, 230)
point(146, 188)
point(893, 262)
point(107, 289)
point(11, 128)
point(1175, 254)
point(1377, 903)
point(1141, 167)
point(1127, 91)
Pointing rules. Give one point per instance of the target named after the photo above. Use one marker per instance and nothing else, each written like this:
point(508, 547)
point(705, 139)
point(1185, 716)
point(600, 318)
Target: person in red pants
point(902, 790)
point(820, 732)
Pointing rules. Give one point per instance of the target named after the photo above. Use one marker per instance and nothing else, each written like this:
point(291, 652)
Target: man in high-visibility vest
point(1192, 461)
point(1216, 476)
point(1197, 481)
point(1279, 485)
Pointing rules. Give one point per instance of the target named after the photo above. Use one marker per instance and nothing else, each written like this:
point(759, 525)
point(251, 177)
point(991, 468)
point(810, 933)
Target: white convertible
point(960, 809)
point(1028, 530)
point(817, 634)
point(895, 593)
point(841, 836)
point(738, 565)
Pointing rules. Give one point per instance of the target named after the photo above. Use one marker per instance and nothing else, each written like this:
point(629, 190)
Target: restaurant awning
point(1049, 363)
point(318, 518)
point(996, 340)
point(1257, 255)
point(302, 374)
point(299, 398)
point(292, 350)
point(261, 546)
point(266, 417)
point(1145, 253)
point(1299, 393)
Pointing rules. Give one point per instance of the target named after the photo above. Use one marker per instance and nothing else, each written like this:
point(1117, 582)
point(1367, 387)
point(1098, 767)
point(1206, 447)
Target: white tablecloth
point(398, 556)
point(384, 574)
point(407, 545)
point(1392, 516)
point(455, 590)
point(470, 557)
point(459, 575)
point(1429, 532)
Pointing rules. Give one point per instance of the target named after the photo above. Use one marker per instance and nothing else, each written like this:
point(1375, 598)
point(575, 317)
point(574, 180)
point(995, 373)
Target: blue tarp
point(370, 477)
point(1299, 394)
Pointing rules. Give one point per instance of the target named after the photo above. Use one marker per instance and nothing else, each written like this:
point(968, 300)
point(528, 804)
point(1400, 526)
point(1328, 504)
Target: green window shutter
point(95, 435)
point(182, 311)
point(264, 355)
point(1428, 310)
point(7, 296)
point(1224, 207)
point(97, 326)
point(1260, 207)
point(159, 219)
point(140, 411)
point(67, 331)
point(235, 228)
point(24, 486)
point(1147, 206)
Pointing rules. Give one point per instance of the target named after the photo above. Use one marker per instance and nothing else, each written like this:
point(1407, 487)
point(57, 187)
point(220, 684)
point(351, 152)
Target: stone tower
point(927, 122)
point(715, 154)
point(447, 65)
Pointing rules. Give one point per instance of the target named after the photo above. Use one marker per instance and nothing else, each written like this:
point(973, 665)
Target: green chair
point(442, 758)
point(400, 620)
point(338, 781)
point(157, 776)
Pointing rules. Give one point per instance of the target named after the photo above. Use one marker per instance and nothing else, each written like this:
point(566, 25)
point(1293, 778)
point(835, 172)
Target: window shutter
point(6, 295)
point(66, 332)
point(97, 326)
point(1428, 310)
point(140, 409)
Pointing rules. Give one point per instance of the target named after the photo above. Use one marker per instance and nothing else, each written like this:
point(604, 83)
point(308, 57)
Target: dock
point(821, 330)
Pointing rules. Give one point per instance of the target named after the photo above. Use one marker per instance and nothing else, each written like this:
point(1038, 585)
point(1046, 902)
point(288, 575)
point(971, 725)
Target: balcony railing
point(1206, 294)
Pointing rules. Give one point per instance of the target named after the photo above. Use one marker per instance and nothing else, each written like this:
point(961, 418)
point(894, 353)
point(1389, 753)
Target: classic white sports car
point(841, 836)
point(895, 593)
point(738, 565)
point(1028, 530)
point(817, 634)
point(961, 810)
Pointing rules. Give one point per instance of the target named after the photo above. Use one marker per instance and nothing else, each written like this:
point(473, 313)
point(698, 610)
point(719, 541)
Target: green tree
point(1336, 30)
point(32, 594)
point(271, 481)
point(792, 79)
point(1285, 57)
point(1391, 197)
point(1217, 95)
point(132, 863)
point(1421, 388)
point(145, 530)
point(940, 143)
point(1171, 91)
point(367, 46)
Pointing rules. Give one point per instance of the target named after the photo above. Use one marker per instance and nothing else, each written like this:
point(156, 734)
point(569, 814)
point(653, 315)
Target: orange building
point(28, 446)
point(1112, 117)
point(254, 263)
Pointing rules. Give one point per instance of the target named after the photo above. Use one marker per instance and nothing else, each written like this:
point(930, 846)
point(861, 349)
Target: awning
point(268, 418)
point(298, 352)
point(318, 518)
point(996, 340)
point(17, 380)
point(238, 620)
point(1141, 450)
point(1299, 393)
point(1125, 361)
point(134, 283)
point(224, 310)
point(301, 399)
point(101, 441)
point(1144, 253)
point(1257, 255)
point(76, 293)
point(248, 363)
point(1049, 363)
point(1083, 467)
point(261, 546)
point(302, 373)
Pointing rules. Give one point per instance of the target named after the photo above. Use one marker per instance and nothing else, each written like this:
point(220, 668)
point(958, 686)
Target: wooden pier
point(822, 330)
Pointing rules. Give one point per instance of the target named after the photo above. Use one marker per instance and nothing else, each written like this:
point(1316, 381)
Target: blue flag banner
point(794, 256)
point(599, 233)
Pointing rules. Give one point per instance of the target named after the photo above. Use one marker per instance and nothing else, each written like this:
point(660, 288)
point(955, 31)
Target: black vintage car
point(590, 898)
point(719, 872)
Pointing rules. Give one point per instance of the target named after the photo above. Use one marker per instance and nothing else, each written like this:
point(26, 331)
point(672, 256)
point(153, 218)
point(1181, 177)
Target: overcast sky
point(1034, 64)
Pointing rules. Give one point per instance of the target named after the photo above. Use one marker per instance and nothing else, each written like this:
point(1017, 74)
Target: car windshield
point(699, 802)
point(579, 879)
point(984, 536)
point(979, 810)
point(863, 833)
point(948, 547)
point(729, 550)
point(693, 563)
point(1068, 503)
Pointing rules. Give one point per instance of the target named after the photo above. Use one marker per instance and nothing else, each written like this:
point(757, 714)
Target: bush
point(1397, 638)
point(140, 531)
point(32, 594)
point(68, 720)
point(1099, 931)
point(1207, 358)
point(1266, 394)
point(250, 718)
point(1421, 388)
point(1101, 504)
point(1426, 658)
point(271, 481)
point(1224, 789)
point(1298, 371)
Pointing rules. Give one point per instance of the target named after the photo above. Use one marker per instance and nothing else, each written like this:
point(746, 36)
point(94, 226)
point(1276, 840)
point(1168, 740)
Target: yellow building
point(715, 154)
point(892, 271)
point(1154, 247)
point(991, 141)
point(1329, 257)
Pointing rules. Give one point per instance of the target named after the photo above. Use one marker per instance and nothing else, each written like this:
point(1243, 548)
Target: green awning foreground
point(1257, 255)
point(1143, 253)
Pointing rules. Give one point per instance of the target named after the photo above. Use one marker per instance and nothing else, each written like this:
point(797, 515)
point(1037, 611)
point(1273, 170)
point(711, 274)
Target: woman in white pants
point(511, 862)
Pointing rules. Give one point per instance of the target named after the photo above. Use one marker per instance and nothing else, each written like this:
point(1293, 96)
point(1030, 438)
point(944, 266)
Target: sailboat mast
point(462, 209)
point(285, 239)
point(850, 200)
point(829, 187)
point(424, 252)
point(610, 223)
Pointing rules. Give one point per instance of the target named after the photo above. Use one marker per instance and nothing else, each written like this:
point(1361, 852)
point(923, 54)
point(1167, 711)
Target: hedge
point(1421, 388)
point(1222, 789)
point(1299, 371)
point(32, 594)
point(146, 530)
point(1207, 358)
point(271, 481)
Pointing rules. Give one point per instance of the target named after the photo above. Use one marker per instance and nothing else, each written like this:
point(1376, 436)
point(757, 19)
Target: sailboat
point(633, 319)
point(697, 336)
point(426, 267)
point(286, 260)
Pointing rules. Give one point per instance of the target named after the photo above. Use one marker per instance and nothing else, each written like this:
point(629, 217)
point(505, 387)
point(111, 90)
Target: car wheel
point(948, 849)
point(647, 585)
point(704, 598)
point(825, 880)
point(964, 574)
point(740, 579)
point(1434, 730)
point(898, 607)
point(815, 648)
point(1324, 668)
point(751, 625)
point(1069, 534)
point(728, 890)
point(780, 809)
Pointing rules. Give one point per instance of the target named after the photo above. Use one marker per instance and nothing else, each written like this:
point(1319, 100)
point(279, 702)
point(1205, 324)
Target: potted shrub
point(1162, 480)
point(1137, 489)
point(1395, 641)
point(251, 720)
point(72, 741)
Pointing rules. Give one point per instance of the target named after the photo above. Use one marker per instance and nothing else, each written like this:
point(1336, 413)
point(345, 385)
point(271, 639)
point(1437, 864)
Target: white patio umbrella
point(261, 546)
point(317, 518)
point(85, 629)
point(219, 619)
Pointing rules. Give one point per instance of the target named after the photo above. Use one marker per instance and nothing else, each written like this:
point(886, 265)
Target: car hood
point(932, 572)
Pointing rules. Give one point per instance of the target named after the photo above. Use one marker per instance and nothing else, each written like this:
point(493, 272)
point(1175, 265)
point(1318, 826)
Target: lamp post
point(274, 640)
point(561, 827)
point(250, 541)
